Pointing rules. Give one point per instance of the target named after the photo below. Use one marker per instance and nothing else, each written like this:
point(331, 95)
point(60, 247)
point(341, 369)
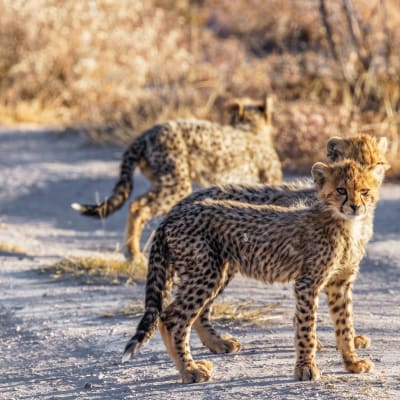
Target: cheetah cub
point(365, 149)
point(317, 247)
point(177, 153)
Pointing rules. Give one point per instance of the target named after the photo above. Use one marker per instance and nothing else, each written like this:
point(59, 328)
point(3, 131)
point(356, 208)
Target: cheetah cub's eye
point(341, 191)
point(365, 193)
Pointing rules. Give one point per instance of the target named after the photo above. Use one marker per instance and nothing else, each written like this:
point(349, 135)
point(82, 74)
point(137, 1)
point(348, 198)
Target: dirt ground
point(55, 342)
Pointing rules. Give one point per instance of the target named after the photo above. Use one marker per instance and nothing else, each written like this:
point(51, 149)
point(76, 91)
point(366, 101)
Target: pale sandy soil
point(55, 344)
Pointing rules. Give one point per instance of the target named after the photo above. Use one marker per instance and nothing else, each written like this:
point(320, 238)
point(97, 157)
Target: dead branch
point(388, 37)
point(328, 30)
point(329, 37)
point(361, 47)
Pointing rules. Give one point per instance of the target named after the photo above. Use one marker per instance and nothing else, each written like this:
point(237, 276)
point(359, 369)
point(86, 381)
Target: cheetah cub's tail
point(144, 333)
point(122, 189)
point(158, 285)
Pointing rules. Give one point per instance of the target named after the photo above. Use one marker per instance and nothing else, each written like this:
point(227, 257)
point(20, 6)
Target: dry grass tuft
point(242, 314)
point(224, 314)
point(8, 248)
point(133, 310)
point(92, 268)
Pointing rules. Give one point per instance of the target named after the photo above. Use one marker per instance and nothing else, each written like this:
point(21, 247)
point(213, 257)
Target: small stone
point(88, 385)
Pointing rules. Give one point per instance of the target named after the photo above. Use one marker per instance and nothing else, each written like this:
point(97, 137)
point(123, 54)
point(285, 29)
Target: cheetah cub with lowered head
point(365, 149)
point(175, 154)
point(317, 247)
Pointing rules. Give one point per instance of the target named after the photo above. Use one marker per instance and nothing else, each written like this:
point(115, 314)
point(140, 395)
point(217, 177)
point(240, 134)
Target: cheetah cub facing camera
point(318, 247)
point(365, 149)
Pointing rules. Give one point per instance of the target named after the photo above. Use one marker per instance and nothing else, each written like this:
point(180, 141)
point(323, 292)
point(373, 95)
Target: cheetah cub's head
point(349, 188)
point(253, 113)
point(365, 149)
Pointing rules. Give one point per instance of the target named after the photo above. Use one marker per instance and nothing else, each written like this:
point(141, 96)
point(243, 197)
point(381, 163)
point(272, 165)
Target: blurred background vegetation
point(113, 68)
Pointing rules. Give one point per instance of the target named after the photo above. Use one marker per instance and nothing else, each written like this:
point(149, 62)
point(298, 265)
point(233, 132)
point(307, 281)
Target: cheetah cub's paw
point(199, 372)
point(362, 342)
point(307, 372)
point(225, 344)
point(136, 260)
point(359, 366)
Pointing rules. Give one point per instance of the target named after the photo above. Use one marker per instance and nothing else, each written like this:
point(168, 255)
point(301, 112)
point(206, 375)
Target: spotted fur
point(175, 154)
point(205, 243)
point(365, 149)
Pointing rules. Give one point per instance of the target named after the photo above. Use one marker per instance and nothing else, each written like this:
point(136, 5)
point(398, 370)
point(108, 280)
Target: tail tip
point(77, 207)
point(131, 348)
point(126, 356)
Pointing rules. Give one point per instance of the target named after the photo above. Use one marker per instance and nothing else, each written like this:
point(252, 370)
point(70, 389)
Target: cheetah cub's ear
point(334, 148)
point(378, 172)
point(383, 144)
point(320, 172)
point(235, 108)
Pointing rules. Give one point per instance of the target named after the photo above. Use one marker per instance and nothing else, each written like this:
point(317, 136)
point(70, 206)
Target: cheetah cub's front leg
point(341, 310)
point(360, 341)
point(305, 320)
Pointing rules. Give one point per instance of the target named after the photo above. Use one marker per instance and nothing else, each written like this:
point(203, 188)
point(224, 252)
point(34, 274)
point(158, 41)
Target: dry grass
point(90, 269)
point(242, 314)
point(8, 248)
point(114, 68)
point(133, 310)
point(224, 314)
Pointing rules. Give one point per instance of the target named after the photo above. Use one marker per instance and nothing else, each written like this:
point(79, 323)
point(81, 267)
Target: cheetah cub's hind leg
point(190, 371)
point(217, 343)
point(172, 187)
point(180, 315)
point(139, 215)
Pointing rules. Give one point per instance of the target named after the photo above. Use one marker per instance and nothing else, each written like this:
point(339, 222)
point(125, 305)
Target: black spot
point(211, 285)
point(336, 309)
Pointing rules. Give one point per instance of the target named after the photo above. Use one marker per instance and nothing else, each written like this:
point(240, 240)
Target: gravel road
point(55, 342)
